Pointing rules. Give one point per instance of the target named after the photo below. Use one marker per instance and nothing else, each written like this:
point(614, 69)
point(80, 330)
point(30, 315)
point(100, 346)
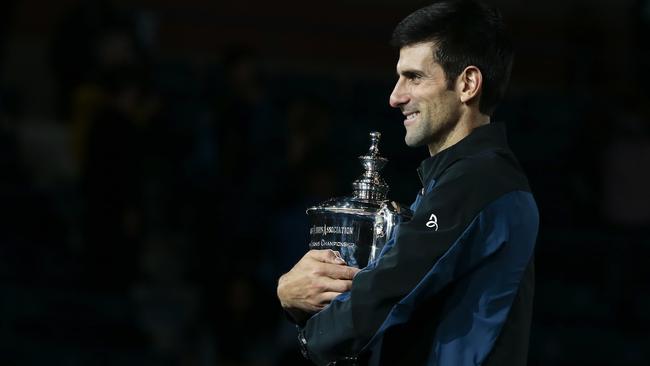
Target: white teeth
point(412, 115)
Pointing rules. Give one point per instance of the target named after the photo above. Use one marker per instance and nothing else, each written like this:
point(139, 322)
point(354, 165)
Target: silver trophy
point(359, 226)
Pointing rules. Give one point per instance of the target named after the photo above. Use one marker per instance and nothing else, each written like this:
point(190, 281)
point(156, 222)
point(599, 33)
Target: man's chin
point(413, 142)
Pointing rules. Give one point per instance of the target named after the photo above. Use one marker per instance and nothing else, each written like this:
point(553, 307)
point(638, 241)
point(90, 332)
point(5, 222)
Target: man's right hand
point(313, 282)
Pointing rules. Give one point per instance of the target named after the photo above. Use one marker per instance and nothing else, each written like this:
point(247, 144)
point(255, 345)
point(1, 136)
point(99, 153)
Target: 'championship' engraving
point(340, 244)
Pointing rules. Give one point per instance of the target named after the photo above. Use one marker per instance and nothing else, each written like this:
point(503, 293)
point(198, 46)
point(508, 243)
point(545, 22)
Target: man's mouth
point(411, 116)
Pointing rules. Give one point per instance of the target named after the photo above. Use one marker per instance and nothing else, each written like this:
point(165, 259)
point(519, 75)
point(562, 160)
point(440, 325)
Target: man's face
point(431, 110)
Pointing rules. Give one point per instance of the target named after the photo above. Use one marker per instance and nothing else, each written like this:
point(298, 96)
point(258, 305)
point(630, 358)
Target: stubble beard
point(426, 132)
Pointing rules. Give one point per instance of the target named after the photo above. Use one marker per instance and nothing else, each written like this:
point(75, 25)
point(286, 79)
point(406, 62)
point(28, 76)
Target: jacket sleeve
point(447, 225)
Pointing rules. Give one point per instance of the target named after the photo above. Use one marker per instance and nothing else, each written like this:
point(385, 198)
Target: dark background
point(156, 159)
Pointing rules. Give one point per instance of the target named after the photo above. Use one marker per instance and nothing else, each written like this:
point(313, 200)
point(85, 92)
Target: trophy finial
point(374, 143)
point(370, 186)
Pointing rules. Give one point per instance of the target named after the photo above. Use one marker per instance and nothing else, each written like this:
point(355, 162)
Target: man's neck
point(462, 129)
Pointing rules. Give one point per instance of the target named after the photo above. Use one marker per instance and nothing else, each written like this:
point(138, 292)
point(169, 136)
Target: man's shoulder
point(494, 168)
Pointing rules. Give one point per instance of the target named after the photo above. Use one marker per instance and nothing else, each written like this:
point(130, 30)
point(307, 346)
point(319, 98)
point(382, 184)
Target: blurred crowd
point(147, 217)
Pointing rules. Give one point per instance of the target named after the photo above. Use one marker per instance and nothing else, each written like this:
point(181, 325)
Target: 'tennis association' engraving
point(345, 230)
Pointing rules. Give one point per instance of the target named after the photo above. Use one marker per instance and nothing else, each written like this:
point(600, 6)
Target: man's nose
point(398, 97)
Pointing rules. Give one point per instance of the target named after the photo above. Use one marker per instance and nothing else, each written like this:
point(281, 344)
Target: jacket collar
point(491, 136)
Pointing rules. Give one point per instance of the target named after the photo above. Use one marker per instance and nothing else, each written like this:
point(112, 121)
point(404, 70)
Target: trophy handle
point(389, 215)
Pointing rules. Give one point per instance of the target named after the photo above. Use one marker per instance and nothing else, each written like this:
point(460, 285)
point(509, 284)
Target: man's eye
point(414, 77)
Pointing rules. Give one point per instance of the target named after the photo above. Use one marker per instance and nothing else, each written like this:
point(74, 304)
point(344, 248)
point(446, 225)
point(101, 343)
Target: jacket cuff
point(302, 342)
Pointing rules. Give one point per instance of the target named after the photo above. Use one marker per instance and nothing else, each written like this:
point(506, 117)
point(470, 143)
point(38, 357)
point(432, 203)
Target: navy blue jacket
point(454, 286)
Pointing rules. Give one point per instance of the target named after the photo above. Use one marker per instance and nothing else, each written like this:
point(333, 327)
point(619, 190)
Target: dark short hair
point(465, 32)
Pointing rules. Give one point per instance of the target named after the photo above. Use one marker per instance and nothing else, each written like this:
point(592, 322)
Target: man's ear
point(469, 84)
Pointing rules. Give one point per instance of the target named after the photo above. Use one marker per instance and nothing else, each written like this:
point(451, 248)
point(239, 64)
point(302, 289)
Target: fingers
point(327, 297)
point(336, 285)
point(327, 256)
point(339, 272)
point(333, 264)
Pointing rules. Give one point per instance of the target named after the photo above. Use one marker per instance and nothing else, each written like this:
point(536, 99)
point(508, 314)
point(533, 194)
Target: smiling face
point(432, 110)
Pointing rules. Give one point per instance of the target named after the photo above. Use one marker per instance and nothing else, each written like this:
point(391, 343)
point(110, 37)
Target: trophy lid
point(369, 191)
point(371, 186)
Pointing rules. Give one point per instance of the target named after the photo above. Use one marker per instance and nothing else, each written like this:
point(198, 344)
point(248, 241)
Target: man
point(454, 286)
